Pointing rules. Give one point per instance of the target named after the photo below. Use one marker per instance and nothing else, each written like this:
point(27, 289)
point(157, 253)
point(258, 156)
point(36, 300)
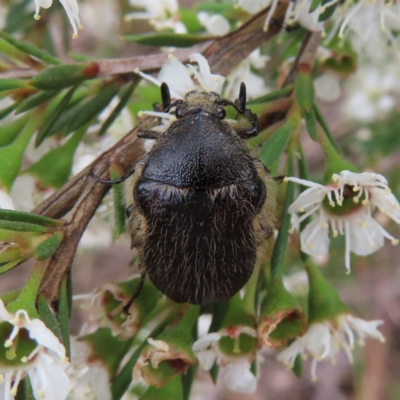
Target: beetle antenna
point(110, 181)
point(135, 294)
point(242, 97)
point(166, 96)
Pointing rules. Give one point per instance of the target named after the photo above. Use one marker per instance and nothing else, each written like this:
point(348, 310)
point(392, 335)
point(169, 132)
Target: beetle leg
point(119, 180)
point(247, 132)
point(135, 293)
point(148, 134)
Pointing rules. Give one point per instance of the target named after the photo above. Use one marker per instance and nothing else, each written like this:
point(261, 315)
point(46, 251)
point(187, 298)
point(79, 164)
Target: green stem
point(190, 317)
point(27, 297)
point(249, 298)
point(278, 254)
point(335, 163)
point(324, 301)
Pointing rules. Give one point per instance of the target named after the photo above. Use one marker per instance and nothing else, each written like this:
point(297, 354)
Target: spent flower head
point(346, 206)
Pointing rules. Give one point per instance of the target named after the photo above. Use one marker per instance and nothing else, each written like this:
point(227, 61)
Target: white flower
point(162, 14)
point(71, 8)
point(323, 340)
point(44, 365)
point(255, 85)
point(215, 24)
point(182, 79)
point(238, 377)
point(372, 91)
point(359, 195)
point(369, 19)
point(90, 378)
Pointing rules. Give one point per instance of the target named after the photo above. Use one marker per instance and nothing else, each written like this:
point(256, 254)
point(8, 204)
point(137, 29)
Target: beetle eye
point(179, 112)
point(221, 113)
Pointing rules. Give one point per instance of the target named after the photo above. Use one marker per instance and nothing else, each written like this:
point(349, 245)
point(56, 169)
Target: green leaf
point(22, 227)
point(64, 313)
point(190, 20)
point(122, 103)
point(46, 129)
point(48, 317)
point(172, 390)
point(298, 366)
point(277, 94)
point(15, 54)
point(8, 110)
point(168, 39)
point(24, 390)
point(29, 49)
point(20, 216)
point(314, 5)
point(63, 76)
point(279, 251)
point(119, 206)
point(85, 112)
point(10, 132)
point(311, 124)
point(273, 148)
point(304, 90)
point(48, 247)
point(187, 381)
point(54, 168)
point(11, 155)
point(35, 100)
point(9, 84)
point(215, 8)
point(10, 265)
point(108, 348)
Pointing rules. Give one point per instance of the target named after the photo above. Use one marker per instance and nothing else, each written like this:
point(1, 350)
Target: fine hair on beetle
point(199, 206)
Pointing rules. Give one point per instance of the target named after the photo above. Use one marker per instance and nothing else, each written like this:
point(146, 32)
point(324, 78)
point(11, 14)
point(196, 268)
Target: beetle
point(199, 206)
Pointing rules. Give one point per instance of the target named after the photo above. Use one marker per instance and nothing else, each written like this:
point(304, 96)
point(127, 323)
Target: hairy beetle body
point(199, 206)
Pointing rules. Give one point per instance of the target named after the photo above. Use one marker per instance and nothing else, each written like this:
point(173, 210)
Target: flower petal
point(204, 342)
point(314, 238)
point(239, 378)
point(45, 337)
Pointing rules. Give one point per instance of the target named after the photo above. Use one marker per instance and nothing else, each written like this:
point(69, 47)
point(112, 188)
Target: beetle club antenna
point(166, 96)
point(242, 97)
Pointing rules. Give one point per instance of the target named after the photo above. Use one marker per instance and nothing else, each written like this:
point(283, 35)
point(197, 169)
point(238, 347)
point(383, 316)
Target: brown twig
point(307, 56)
